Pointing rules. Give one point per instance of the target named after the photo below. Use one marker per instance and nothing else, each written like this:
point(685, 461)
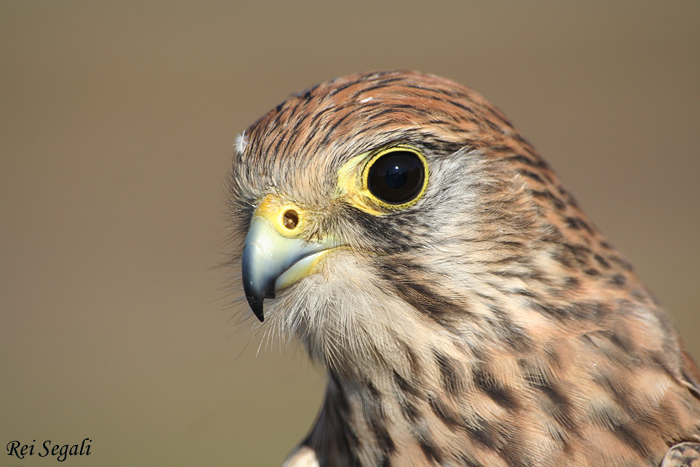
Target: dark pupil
point(396, 177)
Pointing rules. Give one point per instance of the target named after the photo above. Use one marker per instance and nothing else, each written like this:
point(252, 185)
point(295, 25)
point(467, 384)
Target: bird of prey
point(465, 309)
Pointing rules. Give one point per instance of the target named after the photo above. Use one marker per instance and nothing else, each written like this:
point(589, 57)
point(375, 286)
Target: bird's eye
point(397, 176)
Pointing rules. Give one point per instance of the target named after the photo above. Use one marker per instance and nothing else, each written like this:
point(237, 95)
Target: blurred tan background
point(116, 128)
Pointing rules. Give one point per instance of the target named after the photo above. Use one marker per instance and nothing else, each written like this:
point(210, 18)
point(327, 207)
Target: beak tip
point(257, 306)
point(255, 297)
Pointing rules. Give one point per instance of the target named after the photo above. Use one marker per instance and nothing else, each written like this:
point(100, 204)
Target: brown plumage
point(467, 311)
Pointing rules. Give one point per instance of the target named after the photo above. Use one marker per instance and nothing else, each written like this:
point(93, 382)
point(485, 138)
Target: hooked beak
point(275, 254)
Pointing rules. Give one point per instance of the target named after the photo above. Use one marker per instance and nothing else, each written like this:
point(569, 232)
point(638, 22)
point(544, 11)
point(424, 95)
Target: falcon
point(465, 309)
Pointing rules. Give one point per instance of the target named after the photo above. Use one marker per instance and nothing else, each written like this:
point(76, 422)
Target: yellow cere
point(352, 181)
point(274, 210)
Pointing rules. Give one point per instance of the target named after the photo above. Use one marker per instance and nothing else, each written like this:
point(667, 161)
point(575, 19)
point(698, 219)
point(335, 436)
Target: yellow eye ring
point(385, 180)
point(396, 177)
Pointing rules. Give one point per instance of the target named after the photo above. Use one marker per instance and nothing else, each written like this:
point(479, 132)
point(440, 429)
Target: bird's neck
point(352, 428)
point(445, 405)
point(372, 420)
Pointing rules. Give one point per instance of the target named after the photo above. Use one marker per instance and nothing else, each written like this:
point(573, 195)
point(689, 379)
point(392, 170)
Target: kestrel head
point(467, 311)
point(385, 200)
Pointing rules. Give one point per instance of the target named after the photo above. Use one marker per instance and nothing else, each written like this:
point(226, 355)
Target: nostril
point(290, 218)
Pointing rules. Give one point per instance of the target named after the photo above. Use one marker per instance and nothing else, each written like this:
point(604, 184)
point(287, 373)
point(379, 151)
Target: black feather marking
point(537, 163)
point(444, 413)
point(618, 280)
point(499, 437)
point(559, 407)
point(513, 334)
point(449, 374)
point(373, 411)
point(419, 295)
point(530, 174)
point(427, 445)
point(625, 433)
point(484, 380)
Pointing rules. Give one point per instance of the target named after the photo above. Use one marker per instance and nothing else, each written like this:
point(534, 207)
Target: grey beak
point(272, 262)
